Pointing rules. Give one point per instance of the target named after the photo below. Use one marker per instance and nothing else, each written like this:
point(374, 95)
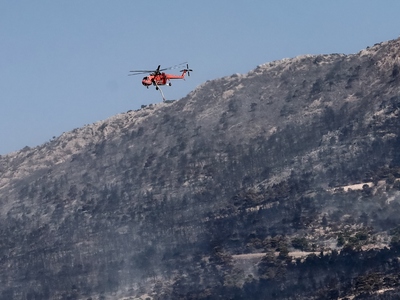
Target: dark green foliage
point(301, 244)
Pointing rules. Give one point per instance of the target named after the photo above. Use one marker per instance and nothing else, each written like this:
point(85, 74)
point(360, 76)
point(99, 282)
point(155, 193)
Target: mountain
point(282, 183)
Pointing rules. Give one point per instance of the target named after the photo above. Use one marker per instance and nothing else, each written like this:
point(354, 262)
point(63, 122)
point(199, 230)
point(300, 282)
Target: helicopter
point(158, 77)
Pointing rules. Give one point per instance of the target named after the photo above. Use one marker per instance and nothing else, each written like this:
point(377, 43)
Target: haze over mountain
point(240, 190)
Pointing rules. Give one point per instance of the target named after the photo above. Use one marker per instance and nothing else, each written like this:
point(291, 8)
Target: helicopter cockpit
point(146, 81)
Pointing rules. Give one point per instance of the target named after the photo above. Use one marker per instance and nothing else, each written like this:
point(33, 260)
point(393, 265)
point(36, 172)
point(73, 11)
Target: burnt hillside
point(163, 201)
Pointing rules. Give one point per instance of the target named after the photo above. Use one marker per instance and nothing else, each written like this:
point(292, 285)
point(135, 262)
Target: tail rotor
point(187, 70)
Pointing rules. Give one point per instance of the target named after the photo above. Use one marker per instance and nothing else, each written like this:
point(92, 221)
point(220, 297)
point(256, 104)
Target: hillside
point(240, 190)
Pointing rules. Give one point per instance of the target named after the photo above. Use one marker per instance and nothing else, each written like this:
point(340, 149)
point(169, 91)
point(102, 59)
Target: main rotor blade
point(157, 70)
point(143, 71)
point(174, 67)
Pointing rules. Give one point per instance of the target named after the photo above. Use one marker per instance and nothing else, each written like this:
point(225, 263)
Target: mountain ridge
point(242, 164)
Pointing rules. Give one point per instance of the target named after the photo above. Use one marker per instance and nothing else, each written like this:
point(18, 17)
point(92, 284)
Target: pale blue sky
point(64, 64)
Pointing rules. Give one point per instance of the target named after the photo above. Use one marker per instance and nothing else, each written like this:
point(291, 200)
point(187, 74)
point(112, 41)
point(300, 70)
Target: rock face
point(163, 201)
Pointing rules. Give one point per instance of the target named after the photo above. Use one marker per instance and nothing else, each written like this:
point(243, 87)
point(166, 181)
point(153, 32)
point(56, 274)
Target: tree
point(324, 221)
point(341, 240)
point(300, 243)
point(396, 185)
point(391, 179)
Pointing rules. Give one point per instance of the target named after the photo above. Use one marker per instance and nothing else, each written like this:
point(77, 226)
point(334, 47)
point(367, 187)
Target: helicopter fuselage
point(160, 79)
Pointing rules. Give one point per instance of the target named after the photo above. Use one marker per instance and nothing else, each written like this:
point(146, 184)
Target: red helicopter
point(157, 77)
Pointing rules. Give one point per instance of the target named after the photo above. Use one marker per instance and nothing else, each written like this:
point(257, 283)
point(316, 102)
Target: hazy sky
point(64, 64)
